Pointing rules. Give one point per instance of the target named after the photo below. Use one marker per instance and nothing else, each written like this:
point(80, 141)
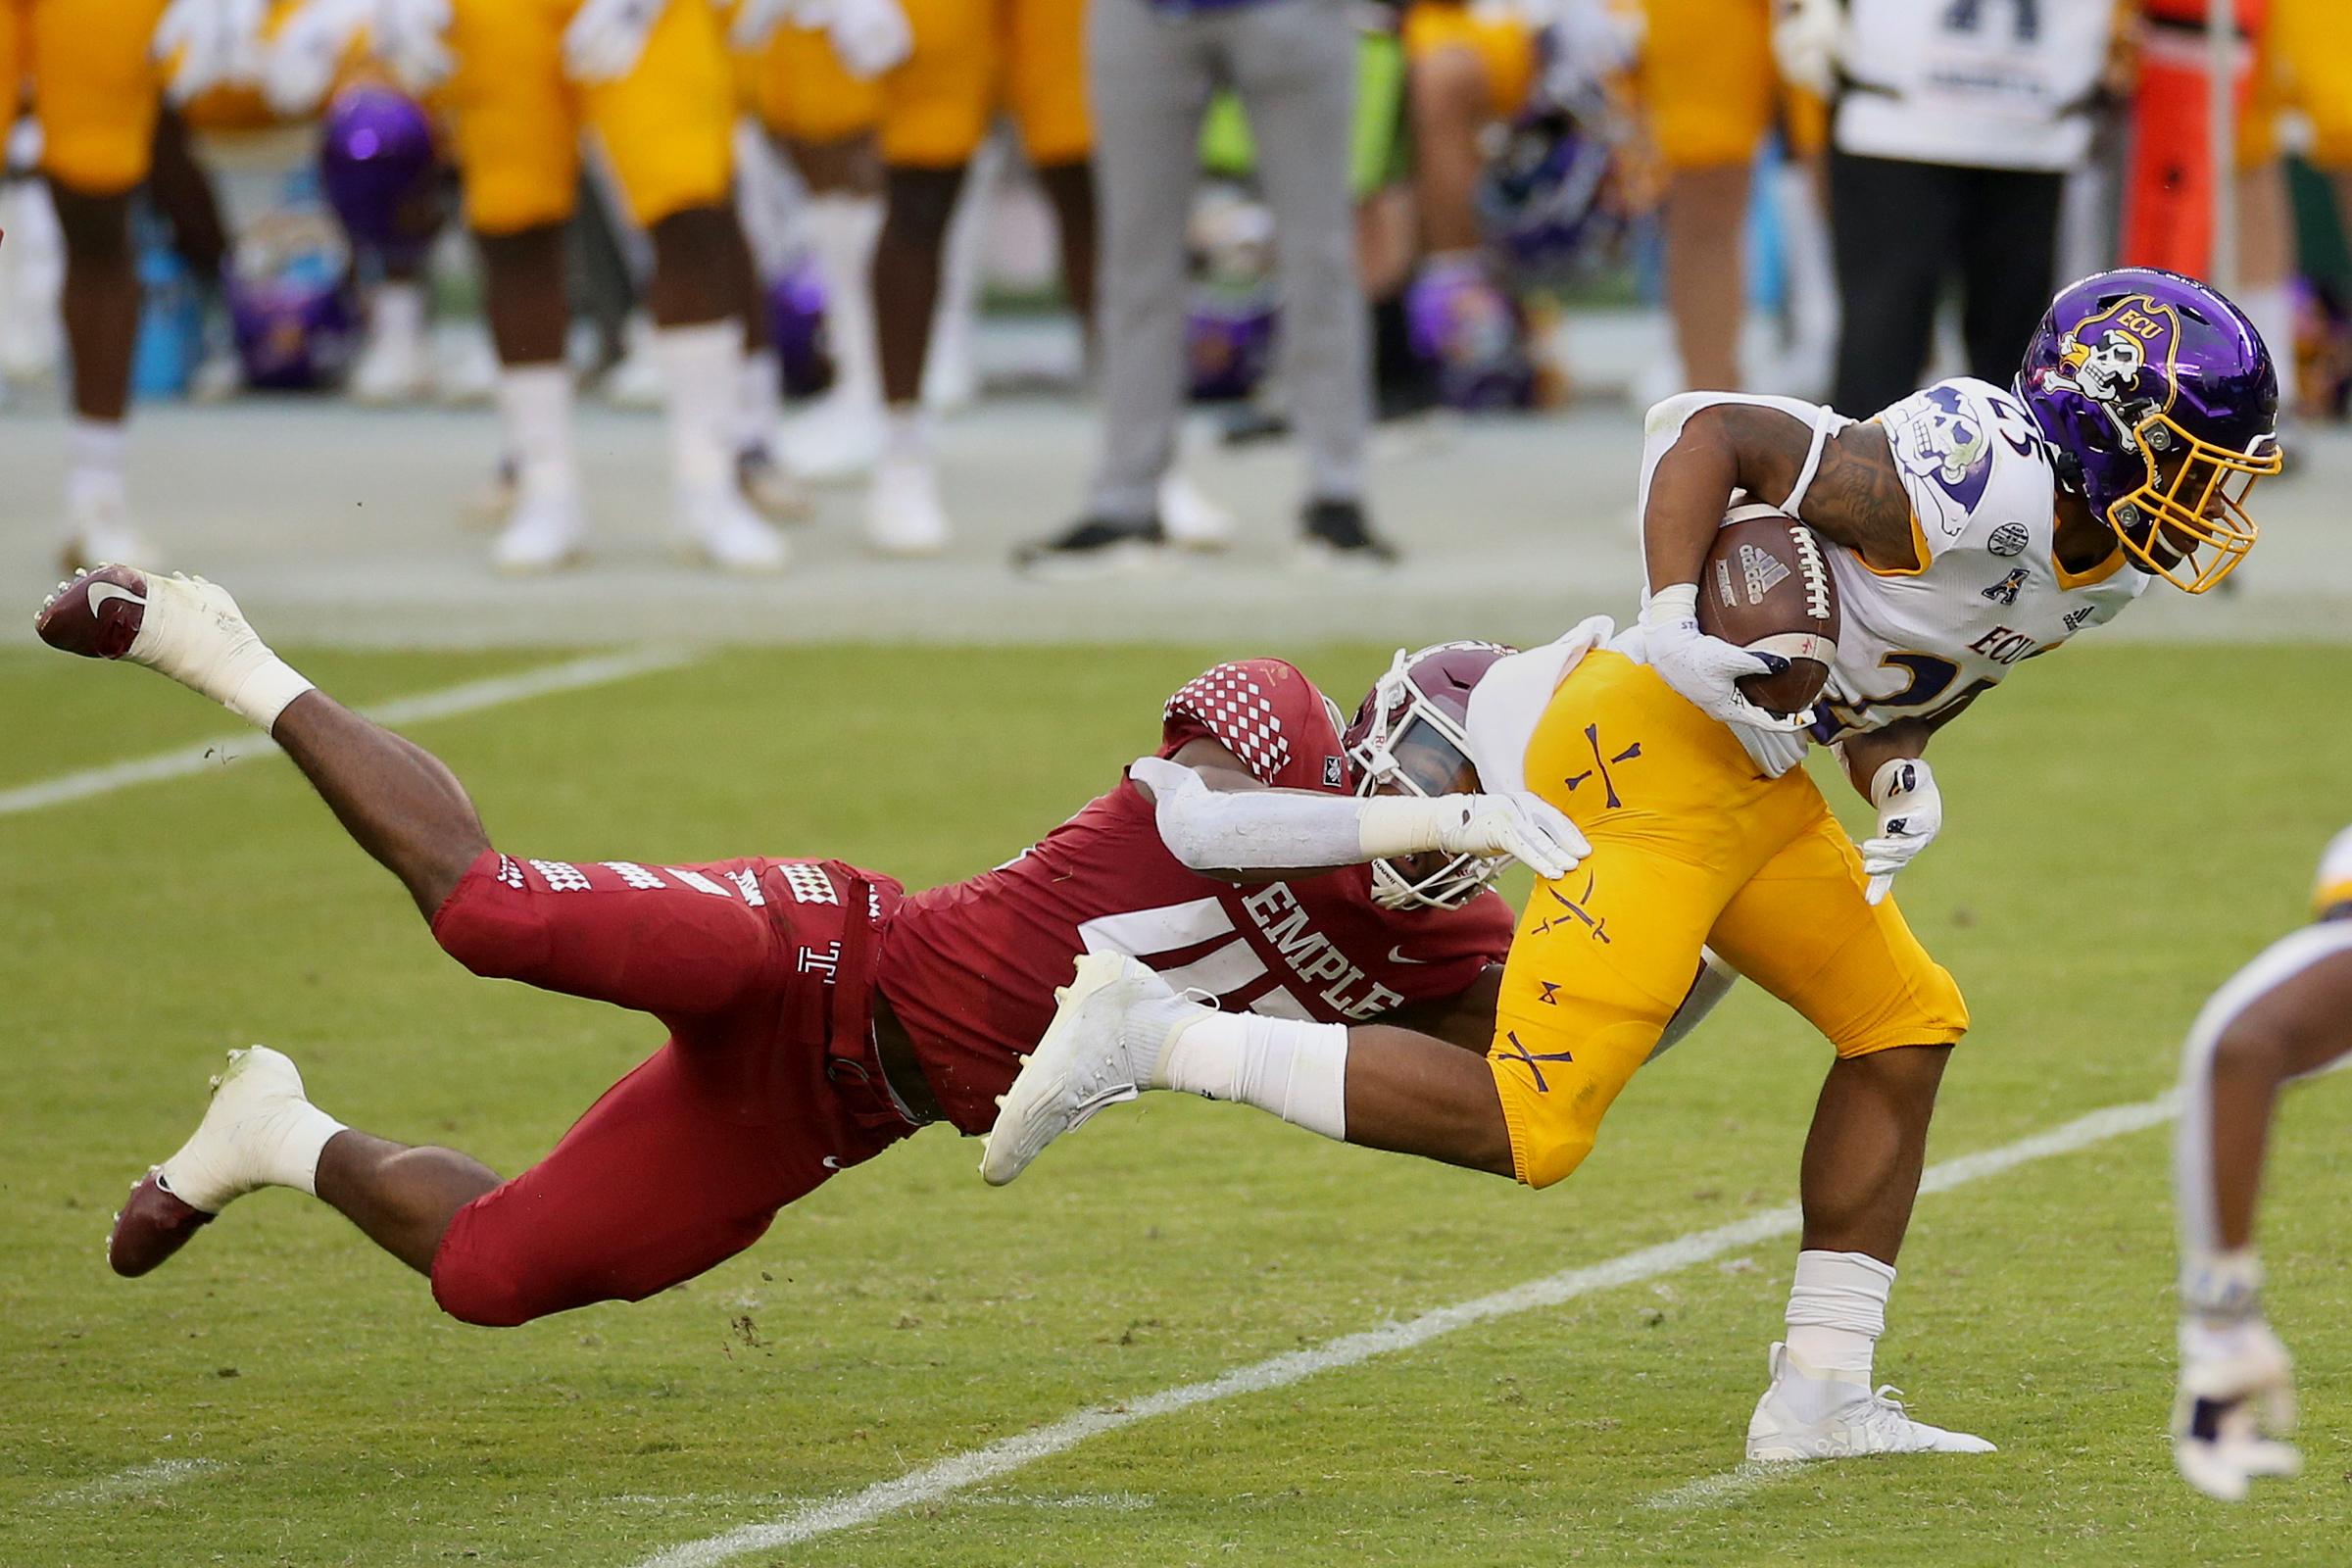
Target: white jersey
point(1989, 593)
point(1981, 84)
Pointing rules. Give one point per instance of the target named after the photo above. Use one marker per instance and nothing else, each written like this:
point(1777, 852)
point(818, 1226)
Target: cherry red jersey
point(970, 969)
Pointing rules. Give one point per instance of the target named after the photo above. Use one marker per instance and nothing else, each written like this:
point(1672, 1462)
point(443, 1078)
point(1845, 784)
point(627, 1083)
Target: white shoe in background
point(99, 529)
point(543, 532)
point(717, 527)
point(903, 512)
point(836, 438)
point(1190, 520)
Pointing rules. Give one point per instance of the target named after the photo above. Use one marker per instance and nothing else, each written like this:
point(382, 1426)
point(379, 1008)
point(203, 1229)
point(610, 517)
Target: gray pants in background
point(1149, 77)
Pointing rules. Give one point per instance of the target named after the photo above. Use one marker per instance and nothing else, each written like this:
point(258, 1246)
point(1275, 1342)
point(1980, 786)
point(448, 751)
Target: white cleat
point(2237, 1385)
point(1854, 1420)
point(717, 526)
point(543, 533)
point(902, 513)
point(835, 439)
point(1190, 520)
point(1084, 1062)
point(100, 531)
point(392, 368)
point(252, 1136)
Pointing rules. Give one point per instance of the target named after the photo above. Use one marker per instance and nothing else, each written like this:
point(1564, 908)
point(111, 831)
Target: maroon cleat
point(97, 614)
point(154, 1224)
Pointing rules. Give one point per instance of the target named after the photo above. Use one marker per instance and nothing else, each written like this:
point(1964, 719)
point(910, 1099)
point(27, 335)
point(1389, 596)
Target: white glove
point(206, 43)
point(1525, 828)
point(605, 39)
point(869, 36)
point(1808, 39)
point(1704, 668)
point(1910, 815)
point(2237, 1389)
point(412, 40)
point(301, 58)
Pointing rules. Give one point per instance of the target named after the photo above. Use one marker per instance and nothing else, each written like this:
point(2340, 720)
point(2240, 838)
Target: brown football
point(1767, 587)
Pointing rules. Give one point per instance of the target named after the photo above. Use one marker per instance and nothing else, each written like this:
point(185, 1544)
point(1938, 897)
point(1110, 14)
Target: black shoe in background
point(1403, 383)
point(1092, 544)
point(1335, 531)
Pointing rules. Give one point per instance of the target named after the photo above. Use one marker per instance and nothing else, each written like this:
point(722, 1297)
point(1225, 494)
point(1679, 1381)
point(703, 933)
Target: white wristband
point(1389, 825)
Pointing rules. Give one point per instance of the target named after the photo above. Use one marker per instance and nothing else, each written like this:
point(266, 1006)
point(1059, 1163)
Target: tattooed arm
point(1856, 498)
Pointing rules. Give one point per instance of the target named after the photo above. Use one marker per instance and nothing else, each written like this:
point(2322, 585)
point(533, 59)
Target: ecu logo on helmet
point(2121, 360)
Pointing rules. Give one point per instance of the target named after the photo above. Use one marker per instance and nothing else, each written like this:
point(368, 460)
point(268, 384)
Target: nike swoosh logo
point(1396, 956)
point(107, 590)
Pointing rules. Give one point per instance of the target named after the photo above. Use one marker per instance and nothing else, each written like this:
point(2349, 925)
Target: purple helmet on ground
point(1228, 341)
point(381, 173)
point(289, 302)
point(1470, 329)
point(2161, 404)
point(796, 324)
point(1546, 202)
point(1410, 736)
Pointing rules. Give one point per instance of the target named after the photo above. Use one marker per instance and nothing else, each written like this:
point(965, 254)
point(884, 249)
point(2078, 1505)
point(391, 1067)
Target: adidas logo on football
point(1762, 571)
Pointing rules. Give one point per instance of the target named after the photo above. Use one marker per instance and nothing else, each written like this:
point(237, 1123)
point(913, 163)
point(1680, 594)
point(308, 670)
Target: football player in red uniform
point(817, 1013)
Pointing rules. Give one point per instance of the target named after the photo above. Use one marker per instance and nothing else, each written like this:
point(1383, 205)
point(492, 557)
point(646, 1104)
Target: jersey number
point(1931, 679)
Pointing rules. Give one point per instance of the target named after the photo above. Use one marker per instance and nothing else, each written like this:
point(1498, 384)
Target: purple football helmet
point(1229, 340)
point(2161, 404)
point(1547, 201)
point(1470, 329)
point(796, 324)
point(379, 170)
point(1410, 736)
point(289, 302)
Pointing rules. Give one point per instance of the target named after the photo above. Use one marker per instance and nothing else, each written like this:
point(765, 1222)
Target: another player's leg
point(524, 299)
point(699, 288)
point(1120, 1030)
point(2283, 1017)
point(904, 513)
point(1802, 929)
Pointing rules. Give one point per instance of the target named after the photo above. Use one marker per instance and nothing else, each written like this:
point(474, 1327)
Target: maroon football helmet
point(1410, 737)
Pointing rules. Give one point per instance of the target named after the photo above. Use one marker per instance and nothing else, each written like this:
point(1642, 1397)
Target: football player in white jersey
point(2286, 1015)
point(1972, 527)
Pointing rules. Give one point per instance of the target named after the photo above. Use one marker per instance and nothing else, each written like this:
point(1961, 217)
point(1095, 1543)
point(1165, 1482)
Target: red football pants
point(685, 1162)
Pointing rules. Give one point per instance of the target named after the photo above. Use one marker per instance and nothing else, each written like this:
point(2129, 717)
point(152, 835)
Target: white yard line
point(954, 1474)
point(1714, 1492)
point(472, 697)
point(139, 1481)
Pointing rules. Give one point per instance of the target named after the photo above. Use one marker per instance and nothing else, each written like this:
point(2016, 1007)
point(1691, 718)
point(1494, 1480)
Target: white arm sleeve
point(1265, 830)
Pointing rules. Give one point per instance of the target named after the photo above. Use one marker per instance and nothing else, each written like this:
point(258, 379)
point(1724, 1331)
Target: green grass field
point(2127, 825)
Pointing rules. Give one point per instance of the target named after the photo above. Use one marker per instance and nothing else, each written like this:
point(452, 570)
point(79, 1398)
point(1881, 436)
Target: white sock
point(397, 311)
point(94, 455)
point(1836, 1311)
point(701, 382)
point(907, 432)
point(270, 1140)
point(534, 405)
point(1295, 1069)
point(844, 230)
point(2270, 307)
point(762, 398)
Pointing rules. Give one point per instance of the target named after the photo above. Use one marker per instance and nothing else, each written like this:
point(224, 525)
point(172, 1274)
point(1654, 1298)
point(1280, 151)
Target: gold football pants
point(1690, 846)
